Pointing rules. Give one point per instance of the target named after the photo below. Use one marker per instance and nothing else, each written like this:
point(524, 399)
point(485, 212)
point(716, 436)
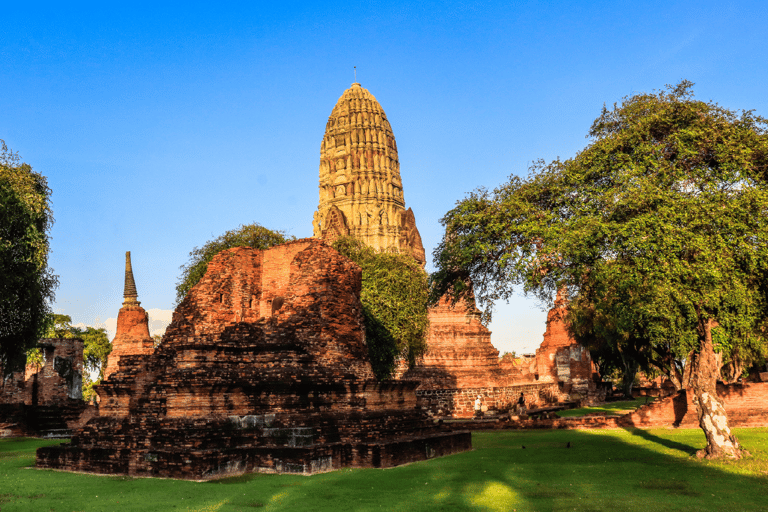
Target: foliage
point(248, 235)
point(658, 227)
point(26, 283)
point(659, 224)
point(628, 470)
point(394, 296)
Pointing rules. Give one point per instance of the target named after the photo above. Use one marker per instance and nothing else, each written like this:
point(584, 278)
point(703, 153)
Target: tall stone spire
point(361, 193)
point(132, 334)
point(130, 295)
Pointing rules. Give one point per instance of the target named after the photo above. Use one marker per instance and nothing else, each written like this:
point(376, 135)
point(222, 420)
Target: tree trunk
point(712, 418)
point(628, 378)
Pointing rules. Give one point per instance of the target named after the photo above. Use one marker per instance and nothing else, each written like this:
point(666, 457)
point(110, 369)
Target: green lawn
point(610, 408)
point(602, 470)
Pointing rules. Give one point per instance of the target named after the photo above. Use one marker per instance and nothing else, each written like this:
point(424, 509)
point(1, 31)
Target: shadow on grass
point(673, 445)
point(629, 469)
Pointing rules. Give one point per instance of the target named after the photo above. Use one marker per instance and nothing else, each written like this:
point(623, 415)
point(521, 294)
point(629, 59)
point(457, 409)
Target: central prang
point(361, 193)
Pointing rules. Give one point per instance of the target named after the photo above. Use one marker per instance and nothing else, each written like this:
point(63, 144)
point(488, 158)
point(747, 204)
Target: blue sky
point(160, 126)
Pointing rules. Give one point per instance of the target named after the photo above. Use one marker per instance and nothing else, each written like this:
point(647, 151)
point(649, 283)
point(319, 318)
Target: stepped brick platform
point(263, 368)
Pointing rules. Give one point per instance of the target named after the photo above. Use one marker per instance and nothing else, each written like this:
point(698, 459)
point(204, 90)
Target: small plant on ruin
point(394, 296)
point(247, 235)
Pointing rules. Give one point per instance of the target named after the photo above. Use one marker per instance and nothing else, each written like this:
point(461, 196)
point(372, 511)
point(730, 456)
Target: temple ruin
point(132, 333)
point(263, 368)
point(46, 398)
point(361, 193)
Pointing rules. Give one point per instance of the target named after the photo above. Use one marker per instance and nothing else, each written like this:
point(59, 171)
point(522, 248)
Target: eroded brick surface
point(263, 368)
point(459, 351)
point(48, 396)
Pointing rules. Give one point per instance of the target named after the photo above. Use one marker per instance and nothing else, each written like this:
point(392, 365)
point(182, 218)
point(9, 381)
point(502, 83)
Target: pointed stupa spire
point(130, 296)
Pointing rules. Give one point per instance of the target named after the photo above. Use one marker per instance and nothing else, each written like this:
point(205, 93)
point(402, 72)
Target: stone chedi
point(361, 193)
point(459, 350)
point(132, 334)
point(263, 368)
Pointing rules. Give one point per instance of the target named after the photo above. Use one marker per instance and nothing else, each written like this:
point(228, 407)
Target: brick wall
point(460, 403)
point(746, 405)
point(58, 379)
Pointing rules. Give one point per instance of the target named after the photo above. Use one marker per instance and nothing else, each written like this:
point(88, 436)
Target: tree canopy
point(660, 226)
point(394, 296)
point(27, 284)
point(248, 235)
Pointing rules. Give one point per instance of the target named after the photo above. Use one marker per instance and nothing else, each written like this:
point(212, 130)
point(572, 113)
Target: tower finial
point(130, 296)
point(355, 68)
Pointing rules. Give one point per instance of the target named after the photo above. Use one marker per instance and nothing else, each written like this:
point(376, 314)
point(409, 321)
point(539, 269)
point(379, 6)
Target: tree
point(660, 222)
point(249, 235)
point(394, 296)
point(26, 283)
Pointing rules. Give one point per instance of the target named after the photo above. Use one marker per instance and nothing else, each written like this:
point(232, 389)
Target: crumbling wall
point(57, 379)
point(460, 403)
point(745, 404)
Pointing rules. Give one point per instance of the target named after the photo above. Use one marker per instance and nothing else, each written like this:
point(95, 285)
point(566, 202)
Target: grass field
point(611, 470)
point(618, 408)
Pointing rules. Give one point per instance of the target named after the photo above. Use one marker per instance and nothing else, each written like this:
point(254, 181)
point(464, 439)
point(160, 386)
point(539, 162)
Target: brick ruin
point(132, 333)
point(561, 359)
point(46, 399)
point(263, 368)
point(459, 351)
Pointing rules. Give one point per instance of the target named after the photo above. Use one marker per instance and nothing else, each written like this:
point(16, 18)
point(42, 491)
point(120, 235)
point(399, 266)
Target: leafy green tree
point(26, 283)
point(660, 223)
point(249, 235)
point(394, 296)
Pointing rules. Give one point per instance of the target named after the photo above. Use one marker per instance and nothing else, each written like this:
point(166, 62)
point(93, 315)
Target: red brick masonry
point(263, 368)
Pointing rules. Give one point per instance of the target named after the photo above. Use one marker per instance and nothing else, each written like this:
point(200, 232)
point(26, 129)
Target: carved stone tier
point(361, 193)
point(263, 368)
point(459, 351)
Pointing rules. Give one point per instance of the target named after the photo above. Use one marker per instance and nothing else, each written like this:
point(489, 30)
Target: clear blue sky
point(160, 127)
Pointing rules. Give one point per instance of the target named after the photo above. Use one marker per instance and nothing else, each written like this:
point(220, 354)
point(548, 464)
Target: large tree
point(661, 223)
point(26, 283)
point(394, 296)
point(248, 235)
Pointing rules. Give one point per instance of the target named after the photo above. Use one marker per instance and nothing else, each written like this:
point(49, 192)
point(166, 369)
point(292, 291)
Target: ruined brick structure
point(561, 359)
point(361, 193)
point(746, 405)
point(45, 399)
point(459, 351)
point(521, 369)
point(132, 334)
point(263, 368)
